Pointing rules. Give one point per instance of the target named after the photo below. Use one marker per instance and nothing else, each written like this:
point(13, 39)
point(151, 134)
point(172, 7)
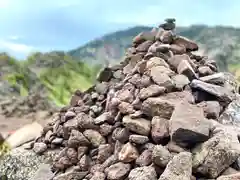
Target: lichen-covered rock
point(179, 168)
point(143, 173)
point(21, 164)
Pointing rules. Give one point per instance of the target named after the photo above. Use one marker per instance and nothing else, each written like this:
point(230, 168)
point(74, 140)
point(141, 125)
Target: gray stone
point(179, 168)
point(220, 92)
point(161, 156)
point(231, 115)
point(118, 171)
point(215, 155)
point(151, 91)
point(24, 164)
point(143, 173)
point(139, 125)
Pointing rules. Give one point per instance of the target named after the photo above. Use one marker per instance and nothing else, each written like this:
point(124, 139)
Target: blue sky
point(28, 25)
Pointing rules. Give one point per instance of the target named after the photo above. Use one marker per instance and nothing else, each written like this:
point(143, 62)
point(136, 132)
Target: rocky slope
point(220, 43)
point(162, 113)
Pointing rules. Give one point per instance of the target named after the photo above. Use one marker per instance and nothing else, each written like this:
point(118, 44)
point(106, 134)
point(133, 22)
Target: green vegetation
point(57, 72)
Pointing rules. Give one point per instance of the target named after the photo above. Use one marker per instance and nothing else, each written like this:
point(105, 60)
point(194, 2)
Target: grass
point(60, 74)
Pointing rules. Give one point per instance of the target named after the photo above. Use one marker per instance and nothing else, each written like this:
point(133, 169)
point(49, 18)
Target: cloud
point(16, 47)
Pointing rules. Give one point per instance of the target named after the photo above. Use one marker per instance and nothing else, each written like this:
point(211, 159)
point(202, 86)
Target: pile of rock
point(163, 113)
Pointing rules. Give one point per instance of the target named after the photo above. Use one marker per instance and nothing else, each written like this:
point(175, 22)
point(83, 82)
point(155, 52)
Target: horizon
point(65, 25)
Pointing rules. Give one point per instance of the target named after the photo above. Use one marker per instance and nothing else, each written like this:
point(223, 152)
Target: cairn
point(159, 114)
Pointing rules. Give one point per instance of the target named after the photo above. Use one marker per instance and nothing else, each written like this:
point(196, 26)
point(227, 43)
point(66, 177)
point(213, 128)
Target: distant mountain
point(219, 42)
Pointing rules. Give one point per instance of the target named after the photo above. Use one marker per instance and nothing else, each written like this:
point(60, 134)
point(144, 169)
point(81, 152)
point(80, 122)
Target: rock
point(143, 47)
point(139, 125)
point(94, 137)
point(143, 36)
point(188, 44)
point(180, 81)
point(25, 134)
point(39, 148)
point(98, 176)
point(126, 108)
point(230, 177)
point(71, 175)
point(156, 61)
point(24, 164)
point(173, 147)
point(157, 70)
point(229, 171)
point(211, 109)
point(179, 168)
point(118, 171)
point(105, 75)
point(105, 117)
point(128, 153)
point(161, 156)
point(57, 141)
point(121, 134)
point(215, 155)
point(44, 172)
point(175, 61)
point(76, 139)
point(205, 71)
point(151, 91)
point(143, 173)
point(145, 158)
point(104, 151)
point(217, 78)
point(186, 69)
point(84, 163)
point(125, 95)
point(220, 92)
point(231, 115)
point(188, 125)
point(157, 106)
point(159, 130)
point(138, 139)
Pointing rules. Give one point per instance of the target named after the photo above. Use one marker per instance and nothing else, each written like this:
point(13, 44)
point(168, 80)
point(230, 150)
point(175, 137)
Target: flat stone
point(187, 43)
point(139, 125)
point(220, 92)
point(157, 106)
point(151, 91)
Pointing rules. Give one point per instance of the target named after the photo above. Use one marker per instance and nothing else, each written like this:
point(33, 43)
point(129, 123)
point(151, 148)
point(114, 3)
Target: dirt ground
point(10, 124)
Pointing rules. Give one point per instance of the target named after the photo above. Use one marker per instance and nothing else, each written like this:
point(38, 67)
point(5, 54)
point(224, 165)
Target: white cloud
point(16, 47)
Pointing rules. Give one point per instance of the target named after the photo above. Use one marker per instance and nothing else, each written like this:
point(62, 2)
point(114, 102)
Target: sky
point(31, 25)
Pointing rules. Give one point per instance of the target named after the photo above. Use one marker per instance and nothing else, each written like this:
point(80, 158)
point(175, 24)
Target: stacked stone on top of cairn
point(159, 114)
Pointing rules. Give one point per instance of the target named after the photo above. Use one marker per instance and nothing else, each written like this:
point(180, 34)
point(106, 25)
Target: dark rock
point(220, 92)
point(138, 139)
point(118, 171)
point(188, 125)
